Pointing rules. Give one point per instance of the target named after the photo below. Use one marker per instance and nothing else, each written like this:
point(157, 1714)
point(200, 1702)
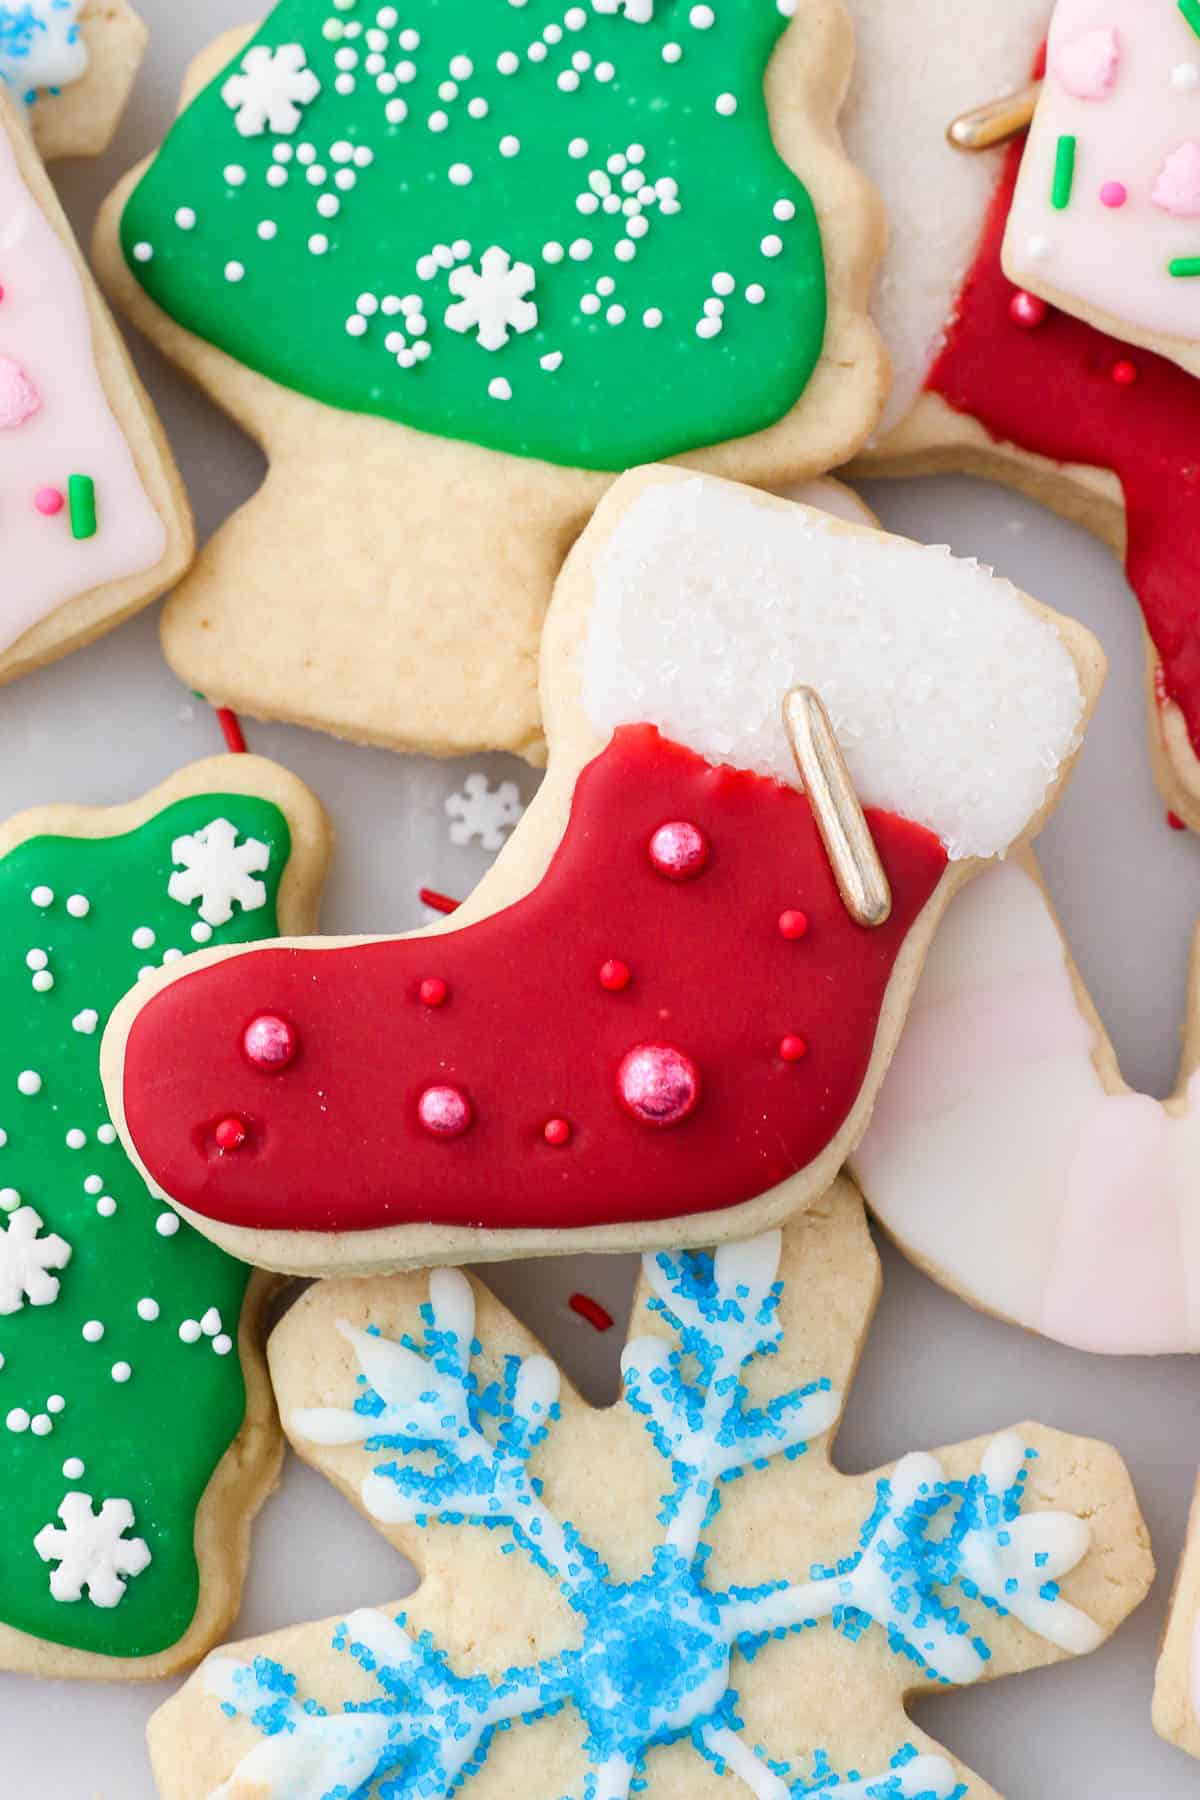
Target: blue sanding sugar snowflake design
point(657, 1661)
point(41, 46)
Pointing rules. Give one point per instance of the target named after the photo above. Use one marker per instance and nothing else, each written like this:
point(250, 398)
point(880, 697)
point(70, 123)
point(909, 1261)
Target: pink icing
point(1177, 190)
point(48, 338)
point(1087, 65)
point(1119, 1260)
point(19, 399)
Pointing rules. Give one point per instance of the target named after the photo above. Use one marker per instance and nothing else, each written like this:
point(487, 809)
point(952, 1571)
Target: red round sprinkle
point(557, 1132)
point(434, 991)
point(679, 850)
point(445, 1111)
point(1027, 310)
point(270, 1042)
point(1124, 373)
point(792, 1048)
point(230, 1134)
point(614, 976)
point(49, 501)
point(658, 1084)
point(793, 924)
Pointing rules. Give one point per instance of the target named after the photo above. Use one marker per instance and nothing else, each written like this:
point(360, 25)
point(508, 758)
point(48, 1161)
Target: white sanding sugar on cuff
point(954, 702)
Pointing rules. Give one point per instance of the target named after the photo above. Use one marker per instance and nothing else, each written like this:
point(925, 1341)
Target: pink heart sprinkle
point(1177, 190)
point(1087, 66)
point(19, 399)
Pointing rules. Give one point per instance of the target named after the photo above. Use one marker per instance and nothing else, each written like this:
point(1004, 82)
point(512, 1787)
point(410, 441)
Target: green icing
point(371, 241)
point(156, 1438)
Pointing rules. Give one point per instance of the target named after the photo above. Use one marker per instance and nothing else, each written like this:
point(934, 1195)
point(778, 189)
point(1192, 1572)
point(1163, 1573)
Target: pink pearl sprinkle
point(444, 1111)
point(658, 1084)
point(1114, 193)
point(270, 1042)
point(48, 501)
point(679, 850)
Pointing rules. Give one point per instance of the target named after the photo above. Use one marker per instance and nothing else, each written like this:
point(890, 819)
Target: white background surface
point(113, 721)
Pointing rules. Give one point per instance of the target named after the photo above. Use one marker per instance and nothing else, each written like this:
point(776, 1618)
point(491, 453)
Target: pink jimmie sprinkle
point(49, 501)
point(19, 398)
point(1114, 194)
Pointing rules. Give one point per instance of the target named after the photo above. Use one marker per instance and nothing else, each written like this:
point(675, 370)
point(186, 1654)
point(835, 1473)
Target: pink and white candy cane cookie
point(94, 522)
point(70, 65)
point(1106, 218)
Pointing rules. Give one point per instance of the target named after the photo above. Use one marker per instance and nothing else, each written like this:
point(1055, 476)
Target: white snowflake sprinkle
point(91, 1550)
point(273, 86)
point(483, 812)
point(217, 870)
point(24, 1259)
point(491, 301)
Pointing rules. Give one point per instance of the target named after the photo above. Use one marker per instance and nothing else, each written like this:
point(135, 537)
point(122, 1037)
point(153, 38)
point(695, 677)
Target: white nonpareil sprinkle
point(710, 604)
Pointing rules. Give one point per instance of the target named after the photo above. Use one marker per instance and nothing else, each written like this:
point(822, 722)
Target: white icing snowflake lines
point(217, 871)
point(271, 89)
point(664, 1657)
point(483, 812)
point(91, 1550)
point(25, 1258)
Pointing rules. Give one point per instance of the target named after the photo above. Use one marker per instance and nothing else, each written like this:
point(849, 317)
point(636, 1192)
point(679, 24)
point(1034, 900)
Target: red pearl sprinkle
point(679, 850)
point(230, 1134)
point(445, 1111)
point(1124, 373)
point(433, 991)
point(270, 1042)
point(556, 1132)
point(614, 976)
point(793, 924)
point(1027, 310)
point(792, 1048)
point(658, 1084)
point(49, 502)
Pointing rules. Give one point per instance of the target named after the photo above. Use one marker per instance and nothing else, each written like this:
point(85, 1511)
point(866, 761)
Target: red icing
point(336, 1142)
point(1055, 392)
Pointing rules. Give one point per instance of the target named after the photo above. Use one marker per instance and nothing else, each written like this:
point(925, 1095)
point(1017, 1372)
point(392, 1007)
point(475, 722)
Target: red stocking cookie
point(994, 381)
point(658, 1019)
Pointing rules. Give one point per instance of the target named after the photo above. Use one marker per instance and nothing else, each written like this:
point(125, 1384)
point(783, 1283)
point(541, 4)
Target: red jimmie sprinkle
point(592, 1311)
point(231, 730)
point(438, 902)
point(1175, 822)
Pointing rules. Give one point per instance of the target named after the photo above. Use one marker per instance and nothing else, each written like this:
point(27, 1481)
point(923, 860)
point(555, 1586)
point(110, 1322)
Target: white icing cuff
point(954, 702)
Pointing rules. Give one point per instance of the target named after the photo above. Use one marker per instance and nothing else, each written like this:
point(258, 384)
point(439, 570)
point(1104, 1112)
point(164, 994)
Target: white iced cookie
point(70, 65)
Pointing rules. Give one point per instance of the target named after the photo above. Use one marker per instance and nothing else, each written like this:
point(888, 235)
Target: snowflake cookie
point(456, 267)
point(71, 64)
point(678, 1595)
point(137, 1435)
point(656, 1020)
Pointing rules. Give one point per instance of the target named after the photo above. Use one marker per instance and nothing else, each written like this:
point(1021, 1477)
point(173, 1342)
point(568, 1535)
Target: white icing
point(41, 46)
point(997, 1154)
point(918, 66)
point(954, 703)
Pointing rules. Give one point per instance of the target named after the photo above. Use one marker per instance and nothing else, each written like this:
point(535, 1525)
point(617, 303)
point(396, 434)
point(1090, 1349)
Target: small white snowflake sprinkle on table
point(91, 1550)
point(217, 870)
point(484, 812)
point(271, 89)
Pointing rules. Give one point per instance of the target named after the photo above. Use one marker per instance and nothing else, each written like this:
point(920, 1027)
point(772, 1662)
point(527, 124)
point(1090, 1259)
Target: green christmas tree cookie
point(137, 1432)
point(583, 237)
